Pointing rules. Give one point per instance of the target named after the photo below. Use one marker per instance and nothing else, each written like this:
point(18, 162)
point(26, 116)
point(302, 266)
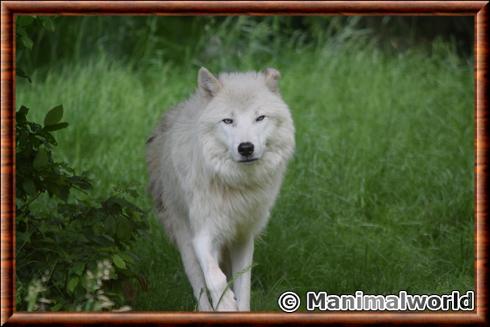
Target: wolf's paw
point(204, 305)
point(227, 302)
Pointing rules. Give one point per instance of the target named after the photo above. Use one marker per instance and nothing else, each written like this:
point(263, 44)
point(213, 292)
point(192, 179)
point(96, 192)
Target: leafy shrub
point(67, 242)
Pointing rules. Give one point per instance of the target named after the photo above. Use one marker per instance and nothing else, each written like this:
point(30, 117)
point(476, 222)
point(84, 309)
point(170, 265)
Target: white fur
point(212, 204)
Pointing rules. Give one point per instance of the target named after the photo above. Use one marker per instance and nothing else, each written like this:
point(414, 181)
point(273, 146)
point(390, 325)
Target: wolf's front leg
point(207, 252)
point(241, 263)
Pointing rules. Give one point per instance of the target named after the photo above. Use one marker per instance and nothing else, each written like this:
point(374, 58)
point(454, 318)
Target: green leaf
point(81, 182)
point(72, 283)
point(55, 127)
point(110, 224)
point(123, 230)
point(62, 192)
point(29, 187)
point(78, 268)
point(127, 258)
point(21, 114)
point(54, 116)
point(50, 139)
point(118, 261)
point(41, 159)
point(56, 307)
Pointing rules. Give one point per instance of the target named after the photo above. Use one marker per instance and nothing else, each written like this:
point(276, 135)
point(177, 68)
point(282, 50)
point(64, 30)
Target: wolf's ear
point(272, 77)
point(208, 84)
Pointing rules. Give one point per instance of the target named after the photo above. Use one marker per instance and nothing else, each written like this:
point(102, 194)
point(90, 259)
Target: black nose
point(246, 149)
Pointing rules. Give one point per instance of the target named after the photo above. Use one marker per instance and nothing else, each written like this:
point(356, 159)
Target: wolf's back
point(154, 147)
point(167, 151)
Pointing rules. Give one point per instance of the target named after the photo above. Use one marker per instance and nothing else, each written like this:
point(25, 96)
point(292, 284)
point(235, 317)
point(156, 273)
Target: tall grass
point(379, 195)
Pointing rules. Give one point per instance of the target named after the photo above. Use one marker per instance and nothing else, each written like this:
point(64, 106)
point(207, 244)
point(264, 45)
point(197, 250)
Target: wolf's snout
point(246, 149)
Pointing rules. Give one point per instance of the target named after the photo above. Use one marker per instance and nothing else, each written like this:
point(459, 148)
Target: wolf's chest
point(241, 211)
point(240, 203)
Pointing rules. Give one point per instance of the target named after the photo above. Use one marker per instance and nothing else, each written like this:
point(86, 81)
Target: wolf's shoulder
point(183, 113)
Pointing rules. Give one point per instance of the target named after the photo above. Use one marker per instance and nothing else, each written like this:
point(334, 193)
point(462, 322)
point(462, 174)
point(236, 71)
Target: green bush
point(73, 251)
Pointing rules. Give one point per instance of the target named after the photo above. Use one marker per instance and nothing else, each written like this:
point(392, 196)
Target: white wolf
point(216, 163)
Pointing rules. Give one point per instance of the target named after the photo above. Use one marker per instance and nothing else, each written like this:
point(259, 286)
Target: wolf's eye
point(227, 121)
point(260, 118)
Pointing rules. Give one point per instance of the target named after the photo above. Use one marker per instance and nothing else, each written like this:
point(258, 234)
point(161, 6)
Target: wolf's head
point(245, 122)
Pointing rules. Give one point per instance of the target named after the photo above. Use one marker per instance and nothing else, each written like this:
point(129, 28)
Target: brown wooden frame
point(478, 9)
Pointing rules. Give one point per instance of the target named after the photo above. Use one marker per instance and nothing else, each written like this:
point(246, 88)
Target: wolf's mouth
point(248, 160)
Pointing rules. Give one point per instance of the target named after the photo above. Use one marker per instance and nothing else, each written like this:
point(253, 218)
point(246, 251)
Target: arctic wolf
point(216, 163)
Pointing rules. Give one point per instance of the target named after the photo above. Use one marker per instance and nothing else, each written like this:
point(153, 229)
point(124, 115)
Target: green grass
point(379, 195)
